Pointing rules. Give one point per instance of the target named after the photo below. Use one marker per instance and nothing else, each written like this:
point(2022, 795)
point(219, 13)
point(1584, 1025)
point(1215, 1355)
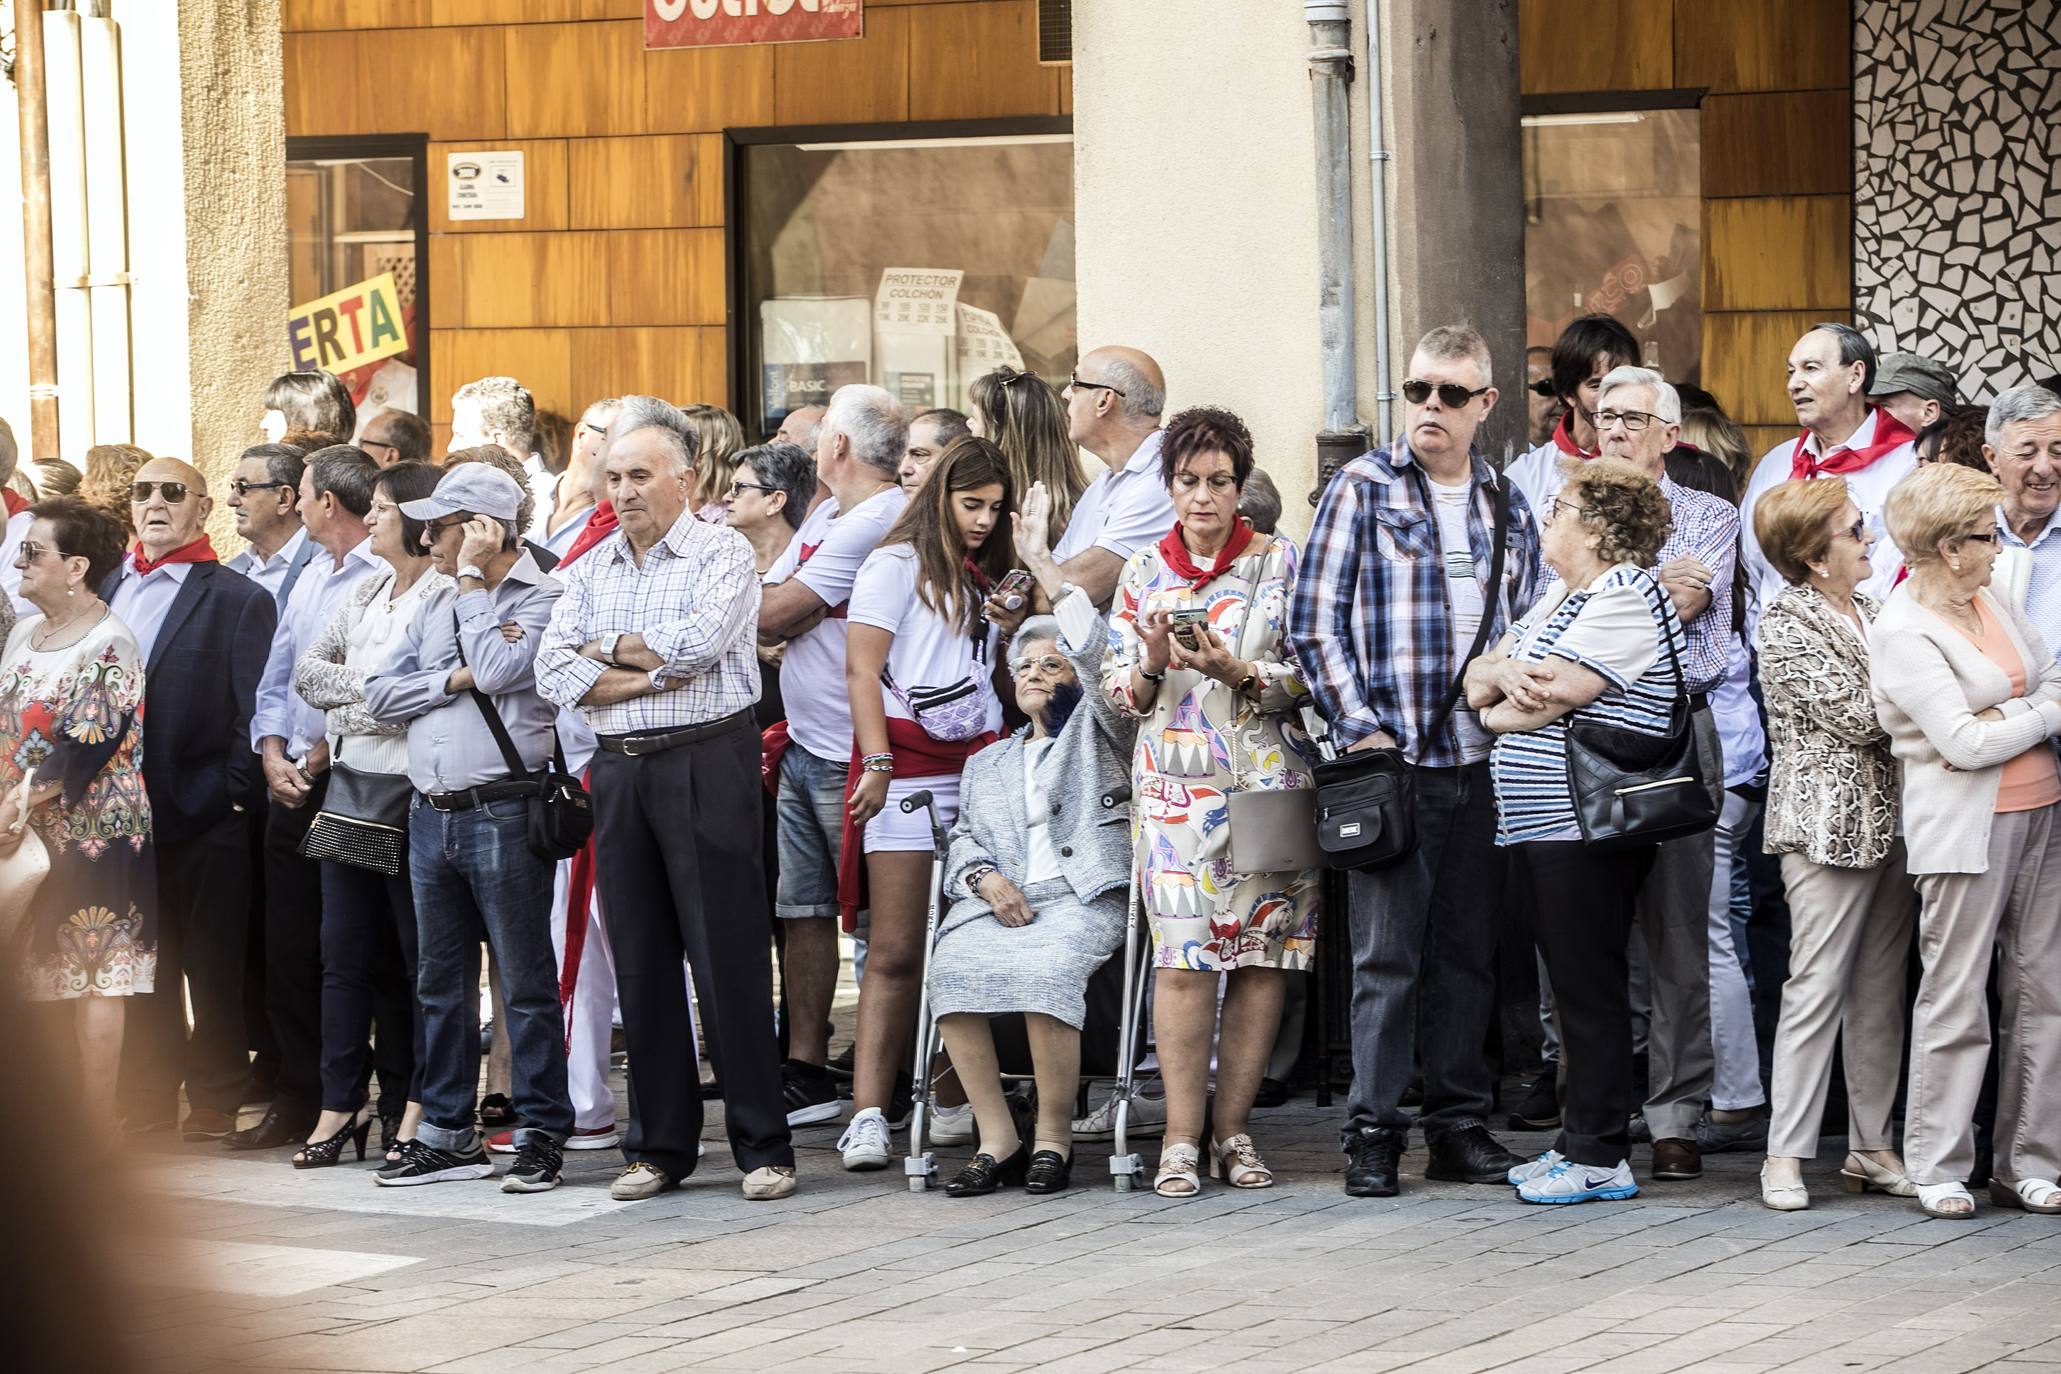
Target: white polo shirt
point(1121, 511)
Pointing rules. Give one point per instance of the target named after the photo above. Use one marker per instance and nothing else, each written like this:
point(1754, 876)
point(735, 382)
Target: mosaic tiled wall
point(1957, 184)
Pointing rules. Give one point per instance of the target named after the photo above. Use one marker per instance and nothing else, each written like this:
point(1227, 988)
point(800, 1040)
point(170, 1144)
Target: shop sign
point(720, 23)
point(348, 328)
point(485, 185)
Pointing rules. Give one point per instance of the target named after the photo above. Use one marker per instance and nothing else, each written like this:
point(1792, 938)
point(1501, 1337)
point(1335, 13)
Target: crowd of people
point(659, 723)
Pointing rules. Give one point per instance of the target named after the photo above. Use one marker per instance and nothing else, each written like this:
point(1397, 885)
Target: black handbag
point(1634, 789)
point(1366, 803)
point(363, 821)
point(561, 814)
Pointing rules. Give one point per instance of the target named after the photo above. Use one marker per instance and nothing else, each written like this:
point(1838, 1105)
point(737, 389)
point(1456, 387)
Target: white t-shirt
point(1463, 589)
point(1121, 511)
point(1537, 474)
point(932, 659)
point(825, 556)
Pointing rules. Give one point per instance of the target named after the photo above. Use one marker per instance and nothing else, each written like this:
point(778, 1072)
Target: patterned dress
point(76, 714)
point(1197, 743)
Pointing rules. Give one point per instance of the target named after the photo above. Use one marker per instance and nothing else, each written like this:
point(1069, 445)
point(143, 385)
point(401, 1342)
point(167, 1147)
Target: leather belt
point(658, 741)
point(473, 797)
point(1699, 701)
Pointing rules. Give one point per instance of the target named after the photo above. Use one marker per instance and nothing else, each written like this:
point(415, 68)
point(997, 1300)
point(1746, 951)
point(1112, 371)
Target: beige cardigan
point(1928, 681)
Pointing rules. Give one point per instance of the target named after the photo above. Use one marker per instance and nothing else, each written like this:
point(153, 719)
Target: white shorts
point(895, 830)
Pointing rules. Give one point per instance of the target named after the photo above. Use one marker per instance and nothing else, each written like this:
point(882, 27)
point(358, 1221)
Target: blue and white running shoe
point(1535, 1168)
point(1568, 1181)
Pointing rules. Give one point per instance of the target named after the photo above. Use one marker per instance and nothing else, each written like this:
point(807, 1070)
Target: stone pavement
point(246, 1264)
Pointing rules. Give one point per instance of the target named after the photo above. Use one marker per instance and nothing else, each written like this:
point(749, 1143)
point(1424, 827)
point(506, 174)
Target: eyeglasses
point(379, 443)
point(1219, 482)
point(1051, 665)
point(1074, 381)
point(31, 551)
point(1634, 420)
point(243, 488)
point(1990, 537)
point(1858, 531)
point(598, 431)
point(1450, 394)
point(1553, 513)
point(433, 528)
point(174, 492)
point(736, 487)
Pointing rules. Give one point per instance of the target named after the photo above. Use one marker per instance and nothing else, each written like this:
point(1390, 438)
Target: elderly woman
point(1832, 817)
point(1037, 877)
point(1611, 631)
point(71, 703)
point(1971, 699)
point(1196, 654)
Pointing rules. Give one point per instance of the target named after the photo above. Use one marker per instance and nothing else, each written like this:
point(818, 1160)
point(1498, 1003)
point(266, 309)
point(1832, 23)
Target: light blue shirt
point(2043, 586)
point(142, 602)
point(270, 573)
point(317, 597)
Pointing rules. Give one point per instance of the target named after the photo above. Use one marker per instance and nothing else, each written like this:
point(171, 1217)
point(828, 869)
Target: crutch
point(921, 1165)
point(1124, 1164)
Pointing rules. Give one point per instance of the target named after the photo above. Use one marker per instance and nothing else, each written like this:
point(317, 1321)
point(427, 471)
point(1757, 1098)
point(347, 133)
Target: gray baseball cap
point(1916, 374)
point(475, 488)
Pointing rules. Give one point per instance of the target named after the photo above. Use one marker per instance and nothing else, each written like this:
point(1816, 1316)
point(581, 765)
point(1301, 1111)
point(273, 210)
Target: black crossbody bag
point(561, 814)
point(363, 821)
point(1366, 803)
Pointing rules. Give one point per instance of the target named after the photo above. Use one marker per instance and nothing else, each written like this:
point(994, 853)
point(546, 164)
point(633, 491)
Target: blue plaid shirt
point(1371, 622)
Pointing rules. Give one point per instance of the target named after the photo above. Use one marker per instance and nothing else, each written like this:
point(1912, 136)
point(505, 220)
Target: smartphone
point(1014, 589)
point(1186, 622)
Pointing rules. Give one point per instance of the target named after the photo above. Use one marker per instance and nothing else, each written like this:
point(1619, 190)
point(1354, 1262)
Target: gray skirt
point(982, 966)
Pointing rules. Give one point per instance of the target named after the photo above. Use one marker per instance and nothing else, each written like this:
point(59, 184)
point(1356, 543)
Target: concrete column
point(1458, 232)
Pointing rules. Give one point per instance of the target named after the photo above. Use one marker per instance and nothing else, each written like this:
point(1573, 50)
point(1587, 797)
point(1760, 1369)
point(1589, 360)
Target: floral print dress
point(1198, 741)
point(75, 715)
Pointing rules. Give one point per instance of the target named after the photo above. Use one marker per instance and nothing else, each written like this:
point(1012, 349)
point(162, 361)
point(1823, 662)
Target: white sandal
point(2027, 1194)
point(1933, 1196)
point(1177, 1176)
point(1861, 1173)
point(1237, 1163)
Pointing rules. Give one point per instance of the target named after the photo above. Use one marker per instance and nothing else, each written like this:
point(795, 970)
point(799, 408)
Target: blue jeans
point(810, 827)
point(476, 879)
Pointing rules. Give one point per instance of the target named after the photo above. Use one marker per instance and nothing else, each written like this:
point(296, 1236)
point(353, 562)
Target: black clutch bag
point(363, 821)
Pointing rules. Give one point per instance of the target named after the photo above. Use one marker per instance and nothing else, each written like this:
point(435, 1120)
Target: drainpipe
point(1331, 74)
point(1377, 151)
point(38, 277)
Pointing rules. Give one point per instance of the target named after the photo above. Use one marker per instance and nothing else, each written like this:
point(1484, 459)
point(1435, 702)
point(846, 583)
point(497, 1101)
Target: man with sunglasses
point(265, 494)
point(395, 436)
point(574, 498)
point(1391, 598)
point(202, 632)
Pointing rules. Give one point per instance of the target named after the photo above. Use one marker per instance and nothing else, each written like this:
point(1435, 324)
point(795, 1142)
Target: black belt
point(1699, 701)
point(473, 797)
point(657, 741)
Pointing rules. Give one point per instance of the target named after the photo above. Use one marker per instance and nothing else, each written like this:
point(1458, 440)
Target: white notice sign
point(486, 185)
point(916, 300)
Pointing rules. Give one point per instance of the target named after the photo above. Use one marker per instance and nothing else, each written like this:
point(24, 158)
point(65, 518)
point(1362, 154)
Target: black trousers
point(678, 858)
point(203, 893)
point(368, 977)
point(1586, 905)
point(293, 955)
point(257, 1023)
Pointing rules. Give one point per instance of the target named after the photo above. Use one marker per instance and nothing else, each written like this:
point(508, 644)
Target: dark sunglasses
point(1450, 394)
point(243, 488)
point(1857, 531)
point(1077, 384)
point(432, 528)
point(174, 492)
point(736, 487)
point(1989, 538)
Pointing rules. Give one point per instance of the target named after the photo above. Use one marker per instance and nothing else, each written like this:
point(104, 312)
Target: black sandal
point(497, 1111)
point(982, 1175)
point(321, 1154)
point(1049, 1172)
point(390, 1136)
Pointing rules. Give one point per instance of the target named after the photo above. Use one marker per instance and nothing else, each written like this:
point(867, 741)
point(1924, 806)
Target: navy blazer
point(200, 686)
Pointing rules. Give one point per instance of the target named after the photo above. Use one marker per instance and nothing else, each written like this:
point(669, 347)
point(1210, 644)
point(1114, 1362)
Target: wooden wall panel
point(662, 181)
point(541, 358)
point(1743, 354)
point(1778, 253)
point(666, 276)
point(1761, 439)
point(576, 80)
point(1595, 45)
point(1791, 143)
point(847, 82)
point(1764, 45)
point(446, 83)
point(296, 16)
point(700, 90)
point(545, 200)
point(500, 11)
point(514, 281)
point(446, 281)
point(681, 364)
point(323, 92)
point(966, 62)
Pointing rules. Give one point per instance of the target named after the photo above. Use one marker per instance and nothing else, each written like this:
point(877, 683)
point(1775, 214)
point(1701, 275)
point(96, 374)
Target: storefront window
point(918, 264)
point(355, 227)
point(1613, 216)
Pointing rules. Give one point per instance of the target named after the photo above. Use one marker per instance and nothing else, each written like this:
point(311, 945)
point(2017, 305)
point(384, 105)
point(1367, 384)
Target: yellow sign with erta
point(348, 328)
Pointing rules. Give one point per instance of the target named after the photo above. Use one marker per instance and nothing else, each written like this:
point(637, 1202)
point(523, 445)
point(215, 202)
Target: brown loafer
point(1676, 1160)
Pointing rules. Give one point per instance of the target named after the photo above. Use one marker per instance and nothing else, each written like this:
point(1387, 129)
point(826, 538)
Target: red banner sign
point(718, 23)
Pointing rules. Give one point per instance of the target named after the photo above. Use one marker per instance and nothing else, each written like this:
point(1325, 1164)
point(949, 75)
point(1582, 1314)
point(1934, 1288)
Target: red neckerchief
point(1890, 433)
point(1563, 439)
point(16, 502)
point(981, 581)
point(917, 755)
point(199, 551)
point(601, 524)
point(1175, 553)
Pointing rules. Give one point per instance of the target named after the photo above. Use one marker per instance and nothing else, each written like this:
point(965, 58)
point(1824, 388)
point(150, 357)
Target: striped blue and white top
point(1613, 626)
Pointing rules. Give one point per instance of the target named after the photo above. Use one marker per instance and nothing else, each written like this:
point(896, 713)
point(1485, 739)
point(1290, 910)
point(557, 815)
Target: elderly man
point(1914, 388)
point(859, 452)
point(467, 662)
point(1393, 600)
point(265, 494)
point(1585, 351)
point(2022, 444)
point(1831, 371)
point(562, 516)
point(501, 411)
point(1113, 404)
point(203, 632)
point(654, 642)
point(396, 436)
point(930, 434)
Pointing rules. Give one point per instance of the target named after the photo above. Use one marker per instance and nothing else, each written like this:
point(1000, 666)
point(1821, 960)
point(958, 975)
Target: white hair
point(2017, 406)
point(1667, 402)
point(874, 422)
point(649, 412)
point(1030, 632)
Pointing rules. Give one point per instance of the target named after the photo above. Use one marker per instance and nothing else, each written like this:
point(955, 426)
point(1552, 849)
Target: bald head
point(1114, 401)
point(163, 523)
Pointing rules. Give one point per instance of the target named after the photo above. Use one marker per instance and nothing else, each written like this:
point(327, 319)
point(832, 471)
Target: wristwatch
point(608, 645)
point(473, 571)
point(978, 876)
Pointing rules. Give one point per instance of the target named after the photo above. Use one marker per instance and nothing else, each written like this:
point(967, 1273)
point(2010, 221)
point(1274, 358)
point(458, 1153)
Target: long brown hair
point(928, 526)
point(1027, 421)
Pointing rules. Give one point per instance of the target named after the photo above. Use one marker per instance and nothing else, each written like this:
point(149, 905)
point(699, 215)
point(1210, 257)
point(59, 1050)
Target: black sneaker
point(1539, 1110)
point(1373, 1157)
point(809, 1092)
point(841, 1067)
point(536, 1167)
point(1469, 1155)
point(420, 1163)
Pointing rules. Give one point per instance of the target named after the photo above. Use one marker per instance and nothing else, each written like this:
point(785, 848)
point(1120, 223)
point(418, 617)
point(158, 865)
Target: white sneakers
point(1564, 1181)
point(865, 1144)
point(769, 1182)
point(1147, 1117)
point(950, 1125)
